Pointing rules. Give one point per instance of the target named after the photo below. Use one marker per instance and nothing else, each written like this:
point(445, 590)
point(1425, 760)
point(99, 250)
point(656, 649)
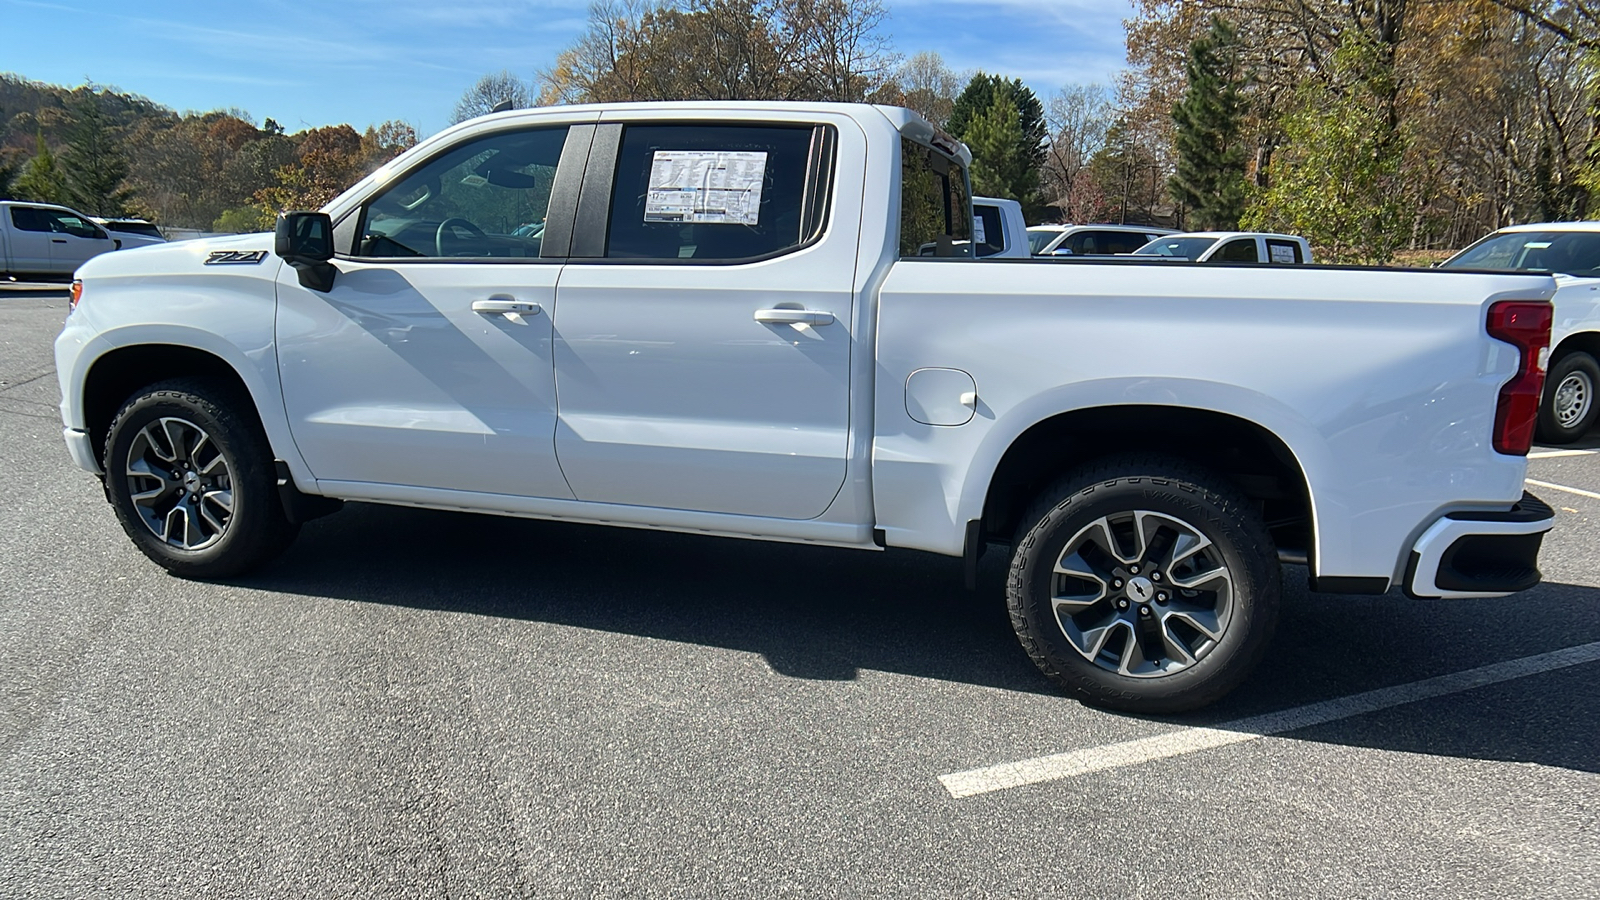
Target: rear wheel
point(190, 475)
point(1144, 584)
point(1569, 408)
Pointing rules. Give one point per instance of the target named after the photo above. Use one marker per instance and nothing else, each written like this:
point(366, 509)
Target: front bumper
point(1467, 555)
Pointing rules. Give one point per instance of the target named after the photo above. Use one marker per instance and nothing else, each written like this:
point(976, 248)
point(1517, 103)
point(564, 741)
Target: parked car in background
point(45, 242)
point(1090, 240)
point(1571, 252)
point(998, 228)
point(132, 232)
point(1230, 246)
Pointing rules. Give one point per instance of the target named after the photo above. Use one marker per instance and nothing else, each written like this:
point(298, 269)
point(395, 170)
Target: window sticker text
point(706, 186)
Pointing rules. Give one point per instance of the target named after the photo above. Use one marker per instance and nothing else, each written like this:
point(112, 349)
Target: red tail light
point(1524, 324)
point(77, 294)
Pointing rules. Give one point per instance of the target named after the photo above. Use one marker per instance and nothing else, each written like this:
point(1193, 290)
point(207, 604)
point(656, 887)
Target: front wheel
point(1144, 584)
point(1569, 407)
point(191, 477)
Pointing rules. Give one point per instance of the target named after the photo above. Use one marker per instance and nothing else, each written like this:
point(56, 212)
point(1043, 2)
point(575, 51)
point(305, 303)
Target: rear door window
point(717, 193)
point(28, 218)
point(989, 236)
point(1285, 252)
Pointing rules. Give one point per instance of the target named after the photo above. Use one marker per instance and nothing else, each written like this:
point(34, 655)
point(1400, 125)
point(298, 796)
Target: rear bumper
point(1468, 555)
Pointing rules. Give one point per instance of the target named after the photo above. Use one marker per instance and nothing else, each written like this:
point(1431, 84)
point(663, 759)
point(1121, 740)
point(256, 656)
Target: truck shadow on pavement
point(826, 614)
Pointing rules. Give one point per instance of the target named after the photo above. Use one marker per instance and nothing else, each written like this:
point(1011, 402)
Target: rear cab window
point(935, 206)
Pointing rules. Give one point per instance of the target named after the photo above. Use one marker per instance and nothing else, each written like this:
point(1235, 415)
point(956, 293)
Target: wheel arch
point(116, 374)
point(1249, 454)
point(1577, 342)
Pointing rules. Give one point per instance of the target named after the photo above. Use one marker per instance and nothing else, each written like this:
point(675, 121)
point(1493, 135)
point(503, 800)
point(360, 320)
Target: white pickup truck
point(714, 318)
point(45, 242)
point(998, 229)
point(1569, 251)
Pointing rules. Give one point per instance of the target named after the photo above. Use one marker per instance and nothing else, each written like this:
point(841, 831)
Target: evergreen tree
point(41, 179)
point(94, 164)
point(1000, 167)
point(1211, 159)
point(1018, 163)
point(10, 170)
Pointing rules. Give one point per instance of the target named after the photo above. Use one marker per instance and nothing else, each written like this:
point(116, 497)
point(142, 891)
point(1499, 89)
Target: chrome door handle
point(525, 307)
point(794, 317)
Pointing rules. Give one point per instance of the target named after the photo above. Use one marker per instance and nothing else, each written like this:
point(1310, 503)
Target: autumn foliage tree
point(327, 161)
point(724, 50)
point(1468, 115)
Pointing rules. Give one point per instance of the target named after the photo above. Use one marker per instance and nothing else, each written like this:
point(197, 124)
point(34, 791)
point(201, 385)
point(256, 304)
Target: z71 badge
point(236, 257)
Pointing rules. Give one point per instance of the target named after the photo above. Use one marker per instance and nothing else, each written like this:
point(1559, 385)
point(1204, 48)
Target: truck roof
point(906, 121)
point(1553, 226)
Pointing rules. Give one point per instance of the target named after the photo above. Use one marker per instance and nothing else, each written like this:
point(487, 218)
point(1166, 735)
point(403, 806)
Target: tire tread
point(1071, 490)
point(256, 538)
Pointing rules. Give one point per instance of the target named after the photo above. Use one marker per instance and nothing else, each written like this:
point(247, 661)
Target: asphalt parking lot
point(426, 704)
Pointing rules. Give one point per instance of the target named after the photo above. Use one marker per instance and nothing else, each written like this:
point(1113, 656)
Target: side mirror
point(305, 241)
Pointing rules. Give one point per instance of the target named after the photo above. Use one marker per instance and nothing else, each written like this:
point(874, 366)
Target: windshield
point(1557, 252)
point(1190, 248)
point(1038, 239)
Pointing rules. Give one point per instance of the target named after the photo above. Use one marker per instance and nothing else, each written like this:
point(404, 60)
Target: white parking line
point(1552, 454)
point(1191, 740)
point(1561, 487)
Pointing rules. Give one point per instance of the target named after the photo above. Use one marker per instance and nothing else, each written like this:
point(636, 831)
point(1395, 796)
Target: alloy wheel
point(180, 483)
point(1142, 594)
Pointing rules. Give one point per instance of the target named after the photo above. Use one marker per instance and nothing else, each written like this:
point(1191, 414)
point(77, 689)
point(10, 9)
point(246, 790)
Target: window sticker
point(1281, 253)
point(706, 186)
point(977, 231)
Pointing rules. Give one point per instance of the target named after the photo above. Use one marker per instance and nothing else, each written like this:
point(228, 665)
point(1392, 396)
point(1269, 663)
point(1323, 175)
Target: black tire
point(255, 530)
point(1583, 373)
point(1112, 491)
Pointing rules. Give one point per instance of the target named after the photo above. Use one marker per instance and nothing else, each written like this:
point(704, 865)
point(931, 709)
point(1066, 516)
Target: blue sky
point(364, 61)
